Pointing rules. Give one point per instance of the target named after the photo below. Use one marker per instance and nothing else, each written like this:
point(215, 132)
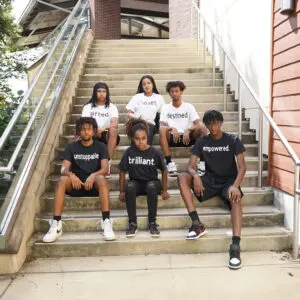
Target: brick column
point(180, 19)
point(106, 19)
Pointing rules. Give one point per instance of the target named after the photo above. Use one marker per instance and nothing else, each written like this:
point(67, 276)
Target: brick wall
point(180, 19)
point(106, 19)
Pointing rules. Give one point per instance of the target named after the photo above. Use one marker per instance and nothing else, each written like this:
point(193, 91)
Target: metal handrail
point(17, 113)
point(11, 209)
point(263, 112)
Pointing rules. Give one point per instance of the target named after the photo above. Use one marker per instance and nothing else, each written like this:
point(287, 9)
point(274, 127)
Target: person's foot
point(154, 230)
point(196, 231)
point(54, 232)
point(235, 261)
point(172, 169)
point(107, 230)
point(108, 175)
point(132, 230)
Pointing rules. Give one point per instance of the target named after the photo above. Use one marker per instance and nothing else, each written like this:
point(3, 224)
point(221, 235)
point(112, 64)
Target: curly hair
point(172, 84)
point(140, 86)
point(133, 125)
point(212, 116)
point(85, 120)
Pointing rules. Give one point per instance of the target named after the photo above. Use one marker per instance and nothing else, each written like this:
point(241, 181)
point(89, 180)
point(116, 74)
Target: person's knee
point(112, 132)
point(100, 180)
point(130, 187)
point(151, 187)
point(162, 132)
point(182, 178)
point(63, 181)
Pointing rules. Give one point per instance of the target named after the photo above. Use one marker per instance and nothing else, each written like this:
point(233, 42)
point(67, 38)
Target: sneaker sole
point(108, 176)
point(173, 174)
point(234, 267)
point(196, 237)
point(52, 241)
point(110, 238)
point(155, 235)
point(131, 235)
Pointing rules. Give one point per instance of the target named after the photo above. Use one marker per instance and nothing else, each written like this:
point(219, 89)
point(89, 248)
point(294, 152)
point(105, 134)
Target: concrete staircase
point(121, 64)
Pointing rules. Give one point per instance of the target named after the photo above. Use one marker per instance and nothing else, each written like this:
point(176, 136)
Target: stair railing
point(195, 10)
point(37, 110)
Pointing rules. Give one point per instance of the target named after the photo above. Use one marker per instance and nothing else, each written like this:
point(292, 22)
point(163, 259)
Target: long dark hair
point(140, 87)
point(100, 85)
point(134, 125)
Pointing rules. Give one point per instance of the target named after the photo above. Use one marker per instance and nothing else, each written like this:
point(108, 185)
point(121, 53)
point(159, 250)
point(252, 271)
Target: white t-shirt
point(180, 118)
point(101, 114)
point(146, 107)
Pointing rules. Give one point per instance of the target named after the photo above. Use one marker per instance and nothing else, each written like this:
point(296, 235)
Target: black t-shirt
point(85, 160)
point(142, 165)
point(219, 155)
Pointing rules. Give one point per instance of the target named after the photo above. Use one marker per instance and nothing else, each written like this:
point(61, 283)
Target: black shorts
point(103, 137)
point(180, 141)
point(83, 193)
point(213, 188)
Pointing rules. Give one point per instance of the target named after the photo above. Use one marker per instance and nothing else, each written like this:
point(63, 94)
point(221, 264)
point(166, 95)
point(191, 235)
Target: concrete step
point(227, 126)
point(172, 48)
point(145, 42)
point(250, 180)
point(177, 152)
point(231, 106)
point(132, 91)
point(173, 241)
point(147, 70)
point(252, 196)
point(251, 163)
point(160, 84)
point(137, 77)
point(168, 219)
point(196, 100)
point(158, 51)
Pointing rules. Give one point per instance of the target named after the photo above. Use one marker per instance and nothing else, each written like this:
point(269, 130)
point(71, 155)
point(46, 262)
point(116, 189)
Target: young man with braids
point(220, 151)
point(85, 163)
point(141, 161)
point(179, 124)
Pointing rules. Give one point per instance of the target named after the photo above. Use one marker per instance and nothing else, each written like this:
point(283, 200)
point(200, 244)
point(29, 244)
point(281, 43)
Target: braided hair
point(133, 125)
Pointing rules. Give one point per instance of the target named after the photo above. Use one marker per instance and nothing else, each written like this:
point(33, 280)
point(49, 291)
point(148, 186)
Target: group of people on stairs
point(87, 161)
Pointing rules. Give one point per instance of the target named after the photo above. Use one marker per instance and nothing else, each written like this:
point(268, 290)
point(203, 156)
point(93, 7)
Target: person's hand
point(122, 197)
point(88, 185)
point(175, 134)
point(76, 138)
point(165, 195)
point(186, 137)
point(198, 186)
point(76, 182)
point(234, 194)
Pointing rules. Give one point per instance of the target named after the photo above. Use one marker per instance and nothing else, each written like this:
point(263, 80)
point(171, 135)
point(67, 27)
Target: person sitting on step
point(85, 163)
point(146, 104)
point(219, 151)
point(179, 124)
point(141, 161)
point(107, 117)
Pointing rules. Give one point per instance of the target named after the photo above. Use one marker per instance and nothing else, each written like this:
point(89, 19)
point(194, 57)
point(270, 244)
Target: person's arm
point(114, 123)
point(234, 191)
point(164, 182)
point(65, 171)
point(122, 186)
point(191, 169)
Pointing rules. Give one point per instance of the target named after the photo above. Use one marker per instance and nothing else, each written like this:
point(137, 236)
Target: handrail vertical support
point(296, 214)
point(224, 81)
point(204, 42)
point(192, 22)
point(213, 63)
point(240, 106)
point(260, 149)
point(198, 31)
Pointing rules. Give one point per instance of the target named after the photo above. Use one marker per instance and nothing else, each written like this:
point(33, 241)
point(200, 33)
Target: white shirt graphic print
point(146, 107)
point(101, 114)
point(180, 117)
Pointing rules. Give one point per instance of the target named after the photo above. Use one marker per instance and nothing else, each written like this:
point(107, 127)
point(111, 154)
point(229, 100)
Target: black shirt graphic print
point(142, 165)
point(85, 160)
point(219, 155)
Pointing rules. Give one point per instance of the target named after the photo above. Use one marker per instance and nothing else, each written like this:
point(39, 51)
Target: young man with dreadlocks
point(85, 163)
point(107, 117)
point(220, 151)
point(179, 124)
point(146, 104)
point(141, 161)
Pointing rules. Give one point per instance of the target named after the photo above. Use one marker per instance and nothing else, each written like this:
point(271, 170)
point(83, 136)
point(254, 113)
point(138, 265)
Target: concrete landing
point(264, 276)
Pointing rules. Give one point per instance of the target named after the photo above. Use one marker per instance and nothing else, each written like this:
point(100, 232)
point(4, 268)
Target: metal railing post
point(224, 81)
point(204, 42)
point(240, 107)
point(192, 22)
point(260, 146)
point(213, 63)
point(296, 214)
point(198, 32)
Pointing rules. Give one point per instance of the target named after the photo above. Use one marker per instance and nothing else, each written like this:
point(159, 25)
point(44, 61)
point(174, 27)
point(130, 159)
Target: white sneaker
point(108, 175)
point(172, 169)
point(107, 230)
point(54, 232)
point(201, 168)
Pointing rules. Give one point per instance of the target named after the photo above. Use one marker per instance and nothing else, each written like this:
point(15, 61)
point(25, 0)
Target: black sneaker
point(234, 257)
point(153, 229)
point(132, 230)
point(196, 231)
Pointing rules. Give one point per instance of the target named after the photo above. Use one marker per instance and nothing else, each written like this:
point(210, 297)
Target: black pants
point(136, 188)
point(152, 131)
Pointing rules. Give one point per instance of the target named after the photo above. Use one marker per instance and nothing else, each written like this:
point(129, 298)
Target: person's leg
point(164, 137)
point(151, 133)
point(200, 130)
point(55, 231)
point(130, 196)
point(101, 185)
point(112, 141)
